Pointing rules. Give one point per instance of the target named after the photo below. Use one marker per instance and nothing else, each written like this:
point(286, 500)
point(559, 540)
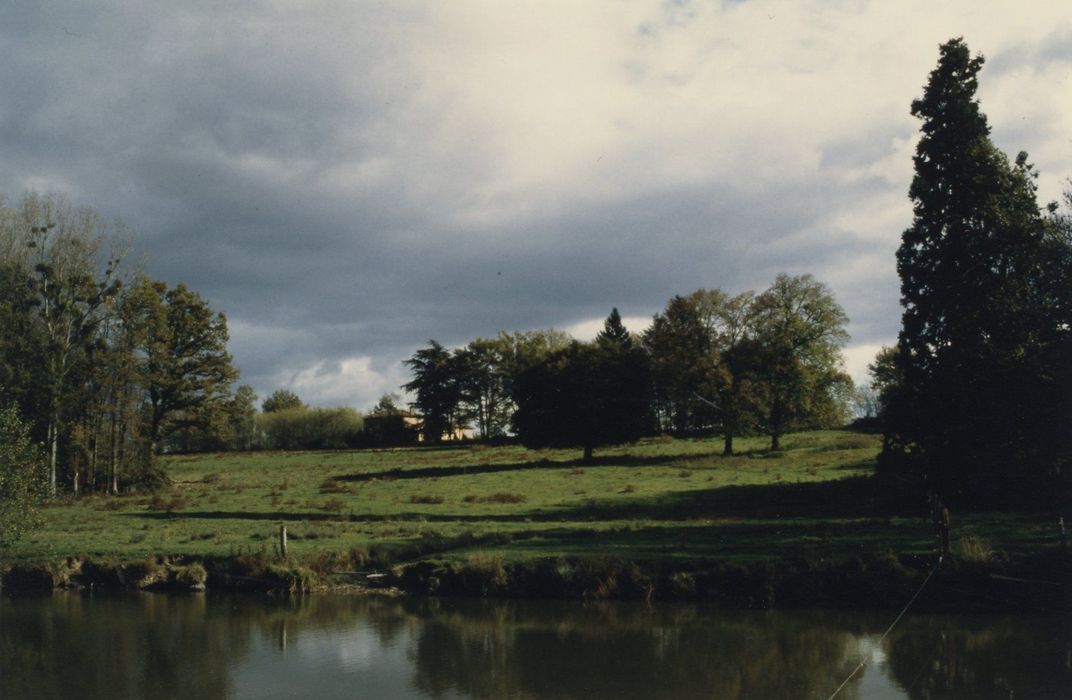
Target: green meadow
point(659, 500)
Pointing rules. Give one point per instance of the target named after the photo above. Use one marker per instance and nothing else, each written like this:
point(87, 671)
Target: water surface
point(143, 645)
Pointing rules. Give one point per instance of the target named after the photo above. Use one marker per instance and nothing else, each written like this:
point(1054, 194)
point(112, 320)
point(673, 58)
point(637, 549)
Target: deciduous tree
point(281, 400)
point(799, 333)
point(586, 395)
point(22, 477)
point(185, 367)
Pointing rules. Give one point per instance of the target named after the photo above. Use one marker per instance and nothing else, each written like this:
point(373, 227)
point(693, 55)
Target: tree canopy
point(102, 364)
point(799, 333)
point(984, 286)
point(281, 400)
point(586, 395)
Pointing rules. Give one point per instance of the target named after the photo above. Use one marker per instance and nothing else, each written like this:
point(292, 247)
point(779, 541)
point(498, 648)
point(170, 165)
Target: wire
point(889, 629)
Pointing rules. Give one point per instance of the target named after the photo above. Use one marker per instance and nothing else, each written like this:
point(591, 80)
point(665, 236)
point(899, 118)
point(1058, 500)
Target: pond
point(144, 645)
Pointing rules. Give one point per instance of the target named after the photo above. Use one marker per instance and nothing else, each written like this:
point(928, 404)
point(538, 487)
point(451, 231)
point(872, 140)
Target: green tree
point(436, 386)
point(22, 478)
point(684, 367)
point(72, 294)
point(281, 400)
point(482, 383)
point(386, 406)
point(386, 424)
point(242, 418)
point(306, 428)
point(586, 395)
point(730, 324)
point(799, 333)
point(185, 370)
point(984, 287)
point(21, 342)
point(520, 350)
point(614, 332)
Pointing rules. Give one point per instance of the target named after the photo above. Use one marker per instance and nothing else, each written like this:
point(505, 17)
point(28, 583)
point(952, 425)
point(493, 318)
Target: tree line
point(103, 365)
point(710, 363)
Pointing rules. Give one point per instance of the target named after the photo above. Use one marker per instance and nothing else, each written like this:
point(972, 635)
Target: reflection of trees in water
point(982, 657)
point(149, 645)
point(98, 646)
point(519, 650)
point(156, 645)
point(288, 618)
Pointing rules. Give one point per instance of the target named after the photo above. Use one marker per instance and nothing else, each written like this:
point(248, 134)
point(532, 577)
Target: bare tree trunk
point(91, 478)
point(53, 447)
point(121, 460)
point(113, 481)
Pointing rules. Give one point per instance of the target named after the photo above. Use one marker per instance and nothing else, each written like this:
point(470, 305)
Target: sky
point(346, 180)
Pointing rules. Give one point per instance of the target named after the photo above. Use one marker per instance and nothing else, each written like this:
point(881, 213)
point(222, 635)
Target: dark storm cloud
point(323, 172)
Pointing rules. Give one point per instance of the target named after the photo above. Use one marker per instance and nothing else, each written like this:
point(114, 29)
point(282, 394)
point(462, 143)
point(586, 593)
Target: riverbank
point(1038, 583)
point(659, 520)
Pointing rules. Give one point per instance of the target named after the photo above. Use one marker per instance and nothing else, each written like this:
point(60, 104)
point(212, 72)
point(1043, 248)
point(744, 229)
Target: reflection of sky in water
point(342, 661)
point(349, 660)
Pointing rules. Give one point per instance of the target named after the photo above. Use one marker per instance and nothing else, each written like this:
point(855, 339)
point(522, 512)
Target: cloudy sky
point(348, 179)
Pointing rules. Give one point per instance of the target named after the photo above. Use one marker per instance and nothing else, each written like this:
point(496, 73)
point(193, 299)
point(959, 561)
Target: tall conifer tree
point(978, 311)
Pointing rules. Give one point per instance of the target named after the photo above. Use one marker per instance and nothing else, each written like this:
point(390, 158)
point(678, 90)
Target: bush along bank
point(249, 572)
point(1043, 582)
point(1040, 583)
point(152, 573)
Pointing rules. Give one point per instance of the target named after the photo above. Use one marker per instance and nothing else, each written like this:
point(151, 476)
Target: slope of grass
point(657, 500)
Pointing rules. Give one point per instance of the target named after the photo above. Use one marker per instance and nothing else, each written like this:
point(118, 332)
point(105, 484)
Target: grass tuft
point(425, 498)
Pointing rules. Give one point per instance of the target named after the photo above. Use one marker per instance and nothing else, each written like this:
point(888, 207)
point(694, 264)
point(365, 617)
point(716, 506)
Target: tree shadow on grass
point(861, 496)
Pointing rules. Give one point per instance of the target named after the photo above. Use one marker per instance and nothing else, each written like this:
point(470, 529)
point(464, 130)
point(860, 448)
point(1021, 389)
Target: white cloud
point(352, 381)
point(858, 357)
point(522, 111)
point(588, 329)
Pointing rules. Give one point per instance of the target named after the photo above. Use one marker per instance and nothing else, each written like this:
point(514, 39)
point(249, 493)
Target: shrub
point(325, 563)
point(192, 576)
point(975, 550)
point(159, 503)
point(483, 572)
point(22, 478)
point(332, 485)
point(145, 573)
point(303, 428)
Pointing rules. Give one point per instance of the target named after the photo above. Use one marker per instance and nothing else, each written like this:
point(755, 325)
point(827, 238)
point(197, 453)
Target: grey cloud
point(220, 138)
point(1056, 47)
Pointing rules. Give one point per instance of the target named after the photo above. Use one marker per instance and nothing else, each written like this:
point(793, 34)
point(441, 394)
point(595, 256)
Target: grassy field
point(658, 500)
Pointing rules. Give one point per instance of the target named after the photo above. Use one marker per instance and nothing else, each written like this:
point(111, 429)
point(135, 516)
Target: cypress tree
point(979, 411)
